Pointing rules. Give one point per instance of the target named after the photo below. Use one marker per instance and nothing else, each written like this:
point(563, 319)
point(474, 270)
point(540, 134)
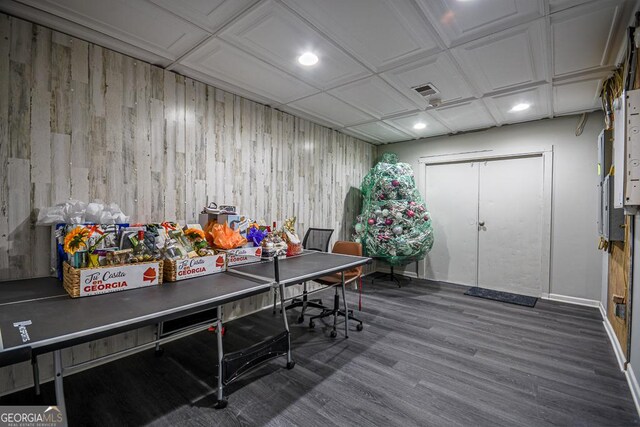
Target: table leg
point(36, 375)
point(57, 365)
point(275, 299)
point(159, 350)
point(290, 362)
point(346, 310)
point(221, 403)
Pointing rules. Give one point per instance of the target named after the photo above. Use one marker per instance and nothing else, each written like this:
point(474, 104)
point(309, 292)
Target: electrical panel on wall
point(632, 149)
point(610, 219)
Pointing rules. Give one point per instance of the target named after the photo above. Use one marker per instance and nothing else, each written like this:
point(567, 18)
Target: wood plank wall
point(84, 122)
point(620, 261)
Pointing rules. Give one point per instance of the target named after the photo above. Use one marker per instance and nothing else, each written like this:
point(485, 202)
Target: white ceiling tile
point(133, 21)
point(557, 5)
point(537, 98)
point(380, 131)
point(406, 123)
point(377, 32)
point(330, 109)
point(505, 60)
point(227, 63)
point(438, 70)
point(374, 96)
point(582, 37)
point(208, 14)
point(500, 49)
point(279, 37)
point(577, 95)
point(464, 116)
point(82, 32)
point(461, 21)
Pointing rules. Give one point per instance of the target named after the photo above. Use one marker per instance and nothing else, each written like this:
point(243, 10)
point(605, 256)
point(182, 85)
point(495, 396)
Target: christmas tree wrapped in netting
point(394, 224)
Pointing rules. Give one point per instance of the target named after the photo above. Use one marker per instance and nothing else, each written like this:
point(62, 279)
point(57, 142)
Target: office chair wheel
point(159, 352)
point(221, 404)
point(359, 327)
point(334, 334)
point(291, 364)
point(312, 324)
point(301, 319)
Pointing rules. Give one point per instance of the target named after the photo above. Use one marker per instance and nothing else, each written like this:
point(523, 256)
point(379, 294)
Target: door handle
point(481, 223)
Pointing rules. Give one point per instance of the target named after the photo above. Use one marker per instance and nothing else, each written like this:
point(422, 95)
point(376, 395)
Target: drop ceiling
point(483, 56)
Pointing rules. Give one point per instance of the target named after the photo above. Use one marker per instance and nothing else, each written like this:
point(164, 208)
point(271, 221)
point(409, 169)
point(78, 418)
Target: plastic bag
point(74, 211)
point(51, 216)
point(294, 248)
point(224, 237)
point(395, 224)
point(94, 212)
point(79, 212)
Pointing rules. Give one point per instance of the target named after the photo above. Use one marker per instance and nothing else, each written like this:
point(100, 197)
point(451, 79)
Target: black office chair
point(316, 239)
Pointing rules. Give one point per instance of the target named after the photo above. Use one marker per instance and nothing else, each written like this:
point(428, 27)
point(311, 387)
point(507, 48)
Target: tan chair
point(350, 276)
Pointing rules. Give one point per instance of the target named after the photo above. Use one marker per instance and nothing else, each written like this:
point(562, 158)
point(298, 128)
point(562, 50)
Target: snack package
point(128, 236)
point(197, 238)
point(161, 231)
point(289, 231)
point(179, 237)
point(273, 245)
point(118, 257)
point(224, 237)
point(102, 236)
point(173, 250)
point(294, 247)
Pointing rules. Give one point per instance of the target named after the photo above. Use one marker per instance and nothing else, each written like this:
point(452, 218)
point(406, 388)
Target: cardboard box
point(194, 267)
point(101, 280)
point(241, 256)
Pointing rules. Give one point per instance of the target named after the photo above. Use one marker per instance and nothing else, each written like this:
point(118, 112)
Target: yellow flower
point(76, 239)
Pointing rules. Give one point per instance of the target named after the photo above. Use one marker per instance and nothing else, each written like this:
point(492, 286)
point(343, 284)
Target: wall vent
point(426, 90)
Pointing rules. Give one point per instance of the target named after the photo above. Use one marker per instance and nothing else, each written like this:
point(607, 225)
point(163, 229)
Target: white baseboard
point(617, 349)
point(572, 300)
point(633, 386)
point(603, 311)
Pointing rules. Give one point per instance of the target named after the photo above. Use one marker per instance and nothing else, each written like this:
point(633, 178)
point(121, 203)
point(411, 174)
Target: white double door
point(487, 218)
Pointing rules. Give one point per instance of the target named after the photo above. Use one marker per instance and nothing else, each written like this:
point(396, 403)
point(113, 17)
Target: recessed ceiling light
point(419, 126)
point(519, 107)
point(308, 58)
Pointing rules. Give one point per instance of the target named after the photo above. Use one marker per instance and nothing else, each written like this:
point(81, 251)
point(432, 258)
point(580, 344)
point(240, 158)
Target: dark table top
point(307, 266)
point(58, 321)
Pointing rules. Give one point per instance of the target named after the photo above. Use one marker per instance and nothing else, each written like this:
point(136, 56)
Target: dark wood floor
point(428, 356)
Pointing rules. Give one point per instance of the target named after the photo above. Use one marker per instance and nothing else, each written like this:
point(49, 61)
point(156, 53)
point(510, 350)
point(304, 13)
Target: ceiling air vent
point(426, 90)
